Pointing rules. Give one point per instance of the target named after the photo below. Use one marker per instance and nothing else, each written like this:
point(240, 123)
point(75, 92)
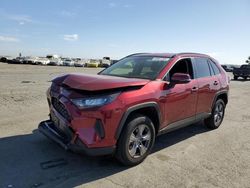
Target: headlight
point(94, 101)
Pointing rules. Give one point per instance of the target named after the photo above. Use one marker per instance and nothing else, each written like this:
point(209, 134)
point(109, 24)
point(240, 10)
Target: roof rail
point(183, 53)
point(136, 54)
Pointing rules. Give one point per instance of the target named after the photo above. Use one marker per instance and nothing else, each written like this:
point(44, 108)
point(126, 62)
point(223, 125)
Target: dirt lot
point(190, 157)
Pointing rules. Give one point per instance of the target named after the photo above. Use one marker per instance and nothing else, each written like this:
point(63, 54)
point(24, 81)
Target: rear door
point(208, 84)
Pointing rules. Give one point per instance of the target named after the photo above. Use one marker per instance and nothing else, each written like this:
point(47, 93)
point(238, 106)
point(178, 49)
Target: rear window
point(202, 68)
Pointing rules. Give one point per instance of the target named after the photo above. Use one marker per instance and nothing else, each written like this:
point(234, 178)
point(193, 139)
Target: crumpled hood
point(97, 82)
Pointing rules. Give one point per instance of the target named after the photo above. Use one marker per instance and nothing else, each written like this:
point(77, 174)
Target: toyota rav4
point(121, 110)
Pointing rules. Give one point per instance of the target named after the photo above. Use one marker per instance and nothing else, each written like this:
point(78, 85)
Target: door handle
point(215, 83)
point(194, 89)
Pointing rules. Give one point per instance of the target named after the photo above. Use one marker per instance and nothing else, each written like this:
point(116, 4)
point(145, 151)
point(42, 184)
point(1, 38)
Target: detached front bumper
point(74, 143)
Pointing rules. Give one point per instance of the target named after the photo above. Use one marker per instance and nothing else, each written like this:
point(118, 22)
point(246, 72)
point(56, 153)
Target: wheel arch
point(221, 95)
point(150, 109)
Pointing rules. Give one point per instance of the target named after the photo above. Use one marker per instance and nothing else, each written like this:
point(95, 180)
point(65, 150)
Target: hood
point(97, 82)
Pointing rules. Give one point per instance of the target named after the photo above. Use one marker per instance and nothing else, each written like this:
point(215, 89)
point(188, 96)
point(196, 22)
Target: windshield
point(245, 66)
point(146, 67)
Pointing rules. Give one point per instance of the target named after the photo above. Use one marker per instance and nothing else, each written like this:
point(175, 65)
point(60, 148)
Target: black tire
point(245, 78)
point(212, 122)
point(125, 147)
point(235, 77)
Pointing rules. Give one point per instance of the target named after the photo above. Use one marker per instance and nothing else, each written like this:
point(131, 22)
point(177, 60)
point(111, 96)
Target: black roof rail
point(184, 53)
point(173, 55)
point(136, 54)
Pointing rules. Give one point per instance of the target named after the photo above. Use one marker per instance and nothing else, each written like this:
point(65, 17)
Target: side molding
point(183, 123)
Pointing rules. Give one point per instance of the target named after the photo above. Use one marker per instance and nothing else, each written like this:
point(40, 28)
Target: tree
point(248, 60)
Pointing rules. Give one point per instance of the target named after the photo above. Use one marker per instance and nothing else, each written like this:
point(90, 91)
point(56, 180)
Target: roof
point(169, 54)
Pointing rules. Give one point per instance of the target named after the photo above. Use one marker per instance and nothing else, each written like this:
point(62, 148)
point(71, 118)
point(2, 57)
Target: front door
point(181, 99)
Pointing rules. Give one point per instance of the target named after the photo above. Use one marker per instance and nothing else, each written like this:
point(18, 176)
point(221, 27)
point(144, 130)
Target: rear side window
point(202, 68)
point(215, 69)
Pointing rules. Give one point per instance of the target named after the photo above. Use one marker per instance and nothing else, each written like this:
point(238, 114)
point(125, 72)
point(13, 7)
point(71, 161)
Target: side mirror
point(180, 78)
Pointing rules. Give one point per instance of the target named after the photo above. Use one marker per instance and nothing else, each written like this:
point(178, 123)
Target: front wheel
point(215, 120)
point(136, 140)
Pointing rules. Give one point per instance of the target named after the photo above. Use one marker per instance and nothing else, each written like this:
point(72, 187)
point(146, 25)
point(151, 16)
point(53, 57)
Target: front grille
point(60, 108)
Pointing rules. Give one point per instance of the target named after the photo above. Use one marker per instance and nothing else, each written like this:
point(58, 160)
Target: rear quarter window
point(215, 68)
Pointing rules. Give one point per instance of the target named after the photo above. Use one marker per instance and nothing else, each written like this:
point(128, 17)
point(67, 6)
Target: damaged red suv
point(121, 110)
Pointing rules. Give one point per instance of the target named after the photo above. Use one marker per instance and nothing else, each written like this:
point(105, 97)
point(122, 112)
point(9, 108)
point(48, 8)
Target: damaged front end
point(72, 142)
point(82, 120)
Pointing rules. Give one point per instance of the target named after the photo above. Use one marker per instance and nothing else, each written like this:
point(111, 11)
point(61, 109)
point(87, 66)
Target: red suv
point(121, 110)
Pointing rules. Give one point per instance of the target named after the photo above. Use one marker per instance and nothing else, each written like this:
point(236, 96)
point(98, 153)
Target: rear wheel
point(136, 140)
point(235, 77)
point(215, 120)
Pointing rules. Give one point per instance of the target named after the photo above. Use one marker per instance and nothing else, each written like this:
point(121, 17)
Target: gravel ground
point(189, 157)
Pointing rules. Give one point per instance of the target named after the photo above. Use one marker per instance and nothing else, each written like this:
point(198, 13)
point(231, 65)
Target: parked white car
point(42, 61)
point(81, 63)
point(106, 62)
point(54, 60)
point(68, 62)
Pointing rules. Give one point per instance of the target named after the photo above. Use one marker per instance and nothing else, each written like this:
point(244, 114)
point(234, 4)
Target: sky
point(98, 28)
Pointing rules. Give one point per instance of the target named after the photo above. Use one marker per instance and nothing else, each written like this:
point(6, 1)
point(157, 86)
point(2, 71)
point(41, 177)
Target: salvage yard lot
point(190, 157)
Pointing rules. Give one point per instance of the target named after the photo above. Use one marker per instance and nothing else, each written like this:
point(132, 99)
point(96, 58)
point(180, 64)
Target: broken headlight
point(98, 101)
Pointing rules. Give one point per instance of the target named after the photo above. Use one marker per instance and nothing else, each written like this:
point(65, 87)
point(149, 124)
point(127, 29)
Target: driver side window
point(181, 66)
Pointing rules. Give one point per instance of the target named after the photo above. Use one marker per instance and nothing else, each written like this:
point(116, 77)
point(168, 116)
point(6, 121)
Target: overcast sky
point(97, 28)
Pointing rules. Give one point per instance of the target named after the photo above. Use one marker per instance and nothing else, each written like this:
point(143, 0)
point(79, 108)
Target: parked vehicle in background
point(243, 72)
point(114, 61)
point(54, 60)
point(41, 61)
point(68, 62)
point(29, 60)
point(93, 63)
point(6, 59)
point(53, 56)
point(81, 62)
point(25, 59)
point(105, 62)
point(18, 60)
point(227, 68)
point(76, 59)
point(121, 110)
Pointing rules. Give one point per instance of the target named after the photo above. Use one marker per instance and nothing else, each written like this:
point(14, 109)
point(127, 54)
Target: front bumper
point(74, 143)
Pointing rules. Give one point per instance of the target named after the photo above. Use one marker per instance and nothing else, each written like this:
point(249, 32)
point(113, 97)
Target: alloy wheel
point(218, 114)
point(139, 141)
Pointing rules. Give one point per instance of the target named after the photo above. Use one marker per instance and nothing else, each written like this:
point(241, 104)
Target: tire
point(218, 111)
point(245, 78)
point(136, 140)
point(235, 77)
